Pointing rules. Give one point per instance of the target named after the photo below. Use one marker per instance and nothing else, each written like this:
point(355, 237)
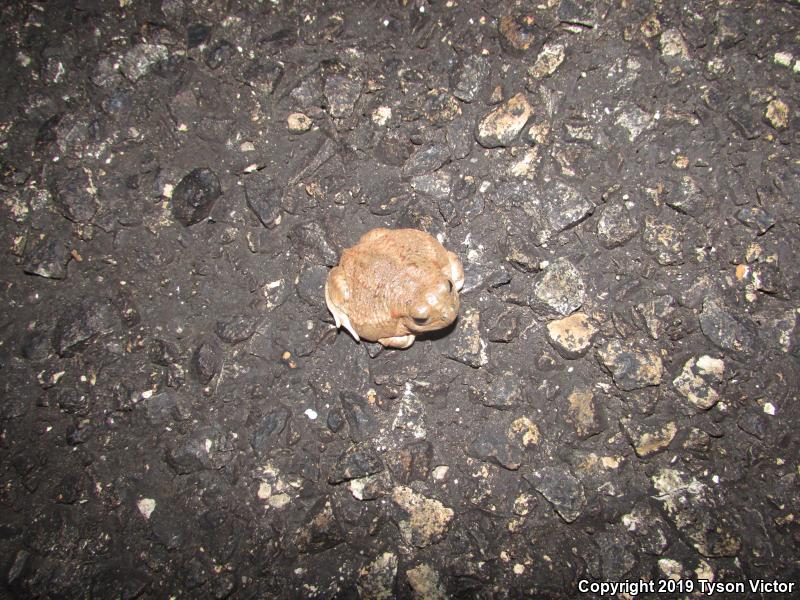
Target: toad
point(393, 285)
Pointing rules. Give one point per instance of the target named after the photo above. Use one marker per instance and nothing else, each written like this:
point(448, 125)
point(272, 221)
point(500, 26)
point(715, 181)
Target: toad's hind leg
point(398, 341)
point(337, 294)
point(455, 270)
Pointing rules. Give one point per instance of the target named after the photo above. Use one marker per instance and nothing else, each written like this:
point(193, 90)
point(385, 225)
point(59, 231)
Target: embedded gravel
point(618, 400)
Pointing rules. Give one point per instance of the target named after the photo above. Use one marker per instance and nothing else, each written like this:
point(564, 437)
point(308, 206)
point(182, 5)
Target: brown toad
point(394, 284)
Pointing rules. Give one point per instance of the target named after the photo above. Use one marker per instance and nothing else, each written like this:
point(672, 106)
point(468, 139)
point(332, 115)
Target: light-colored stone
point(673, 45)
point(549, 59)
point(777, 114)
point(376, 580)
point(582, 412)
point(631, 368)
point(298, 122)
point(426, 583)
point(561, 287)
point(146, 507)
point(571, 336)
point(697, 378)
point(647, 441)
point(502, 125)
point(524, 431)
point(428, 520)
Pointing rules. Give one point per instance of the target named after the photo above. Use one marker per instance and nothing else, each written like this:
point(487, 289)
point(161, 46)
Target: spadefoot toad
point(394, 284)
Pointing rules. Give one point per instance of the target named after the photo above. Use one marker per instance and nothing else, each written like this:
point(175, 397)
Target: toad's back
point(386, 269)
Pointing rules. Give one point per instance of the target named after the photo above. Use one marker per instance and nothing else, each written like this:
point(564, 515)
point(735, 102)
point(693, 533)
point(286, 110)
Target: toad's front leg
point(398, 341)
point(337, 295)
point(454, 270)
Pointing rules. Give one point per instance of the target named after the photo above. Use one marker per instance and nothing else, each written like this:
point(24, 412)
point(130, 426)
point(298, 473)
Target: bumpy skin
point(394, 284)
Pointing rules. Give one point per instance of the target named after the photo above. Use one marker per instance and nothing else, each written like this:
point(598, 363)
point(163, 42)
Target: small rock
point(522, 253)
point(410, 413)
point(206, 362)
point(504, 392)
point(502, 125)
point(467, 345)
point(754, 423)
point(426, 583)
point(459, 138)
point(549, 59)
point(705, 521)
point(79, 433)
point(616, 226)
point(426, 160)
point(441, 106)
point(342, 92)
point(504, 442)
point(561, 287)
point(633, 120)
point(571, 336)
point(647, 528)
point(565, 207)
point(263, 196)
point(205, 448)
point(725, 330)
point(648, 440)
point(436, 185)
point(235, 329)
point(137, 62)
point(311, 284)
point(263, 75)
point(298, 122)
point(616, 556)
point(426, 521)
point(357, 461)
point(730, 29)
point(320, 530)
point(505, 329)
point(412, 462)
point(219, 54)
point(673, 46)
point(267, 435)
point(376, 580)
point(470, 77)
point(162, 408)
point(697, 378)
point(371, 487)
point(146, 506)
point(335, 420)
point(745, 118)
point(664, 241)
point(577, 12)
point(777, 114)
point(756, 218)
point(631, 368)
point(195, 195)
point(582, 412)
point(394, 148)
point(47, 256)
point(560, 488)
point(311, 242)
point(76, 328)
point(197, 34)
point(75, 195)
point(360, 417)
point(518, 32)
point(688, 198)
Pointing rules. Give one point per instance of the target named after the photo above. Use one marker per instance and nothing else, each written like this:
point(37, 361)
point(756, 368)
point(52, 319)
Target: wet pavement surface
point(618, 400)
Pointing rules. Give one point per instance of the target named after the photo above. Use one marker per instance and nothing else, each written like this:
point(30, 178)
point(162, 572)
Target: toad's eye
point(449, 286)
point(421, 320)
